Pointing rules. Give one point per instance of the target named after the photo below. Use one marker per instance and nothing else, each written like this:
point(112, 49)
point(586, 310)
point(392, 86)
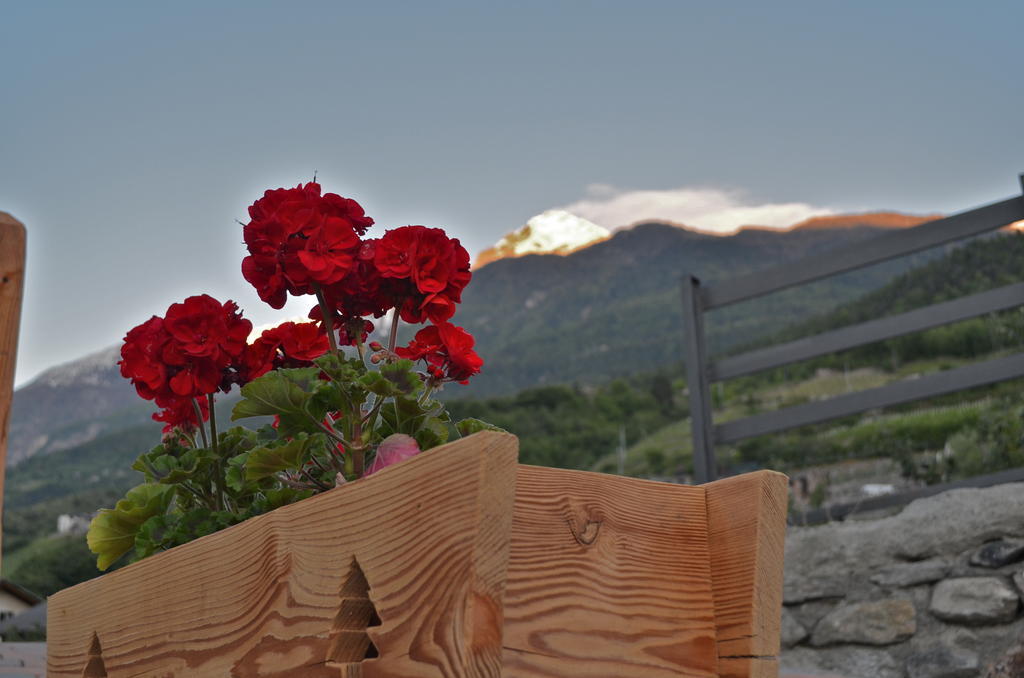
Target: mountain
point(552, 232)
point(614, 308)
point(72, 404)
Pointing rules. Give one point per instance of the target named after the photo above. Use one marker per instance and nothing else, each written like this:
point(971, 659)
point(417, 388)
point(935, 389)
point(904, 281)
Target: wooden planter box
point(456, 563)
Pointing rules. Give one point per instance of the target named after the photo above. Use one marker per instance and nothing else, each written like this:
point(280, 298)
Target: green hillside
point(614, 309)
point(978, 266)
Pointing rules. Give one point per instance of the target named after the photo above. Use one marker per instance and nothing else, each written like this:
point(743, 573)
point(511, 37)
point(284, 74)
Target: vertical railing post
point(697, 378)
point(12, 274)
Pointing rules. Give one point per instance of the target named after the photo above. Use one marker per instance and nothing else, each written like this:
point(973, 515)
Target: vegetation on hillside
point(614, 309)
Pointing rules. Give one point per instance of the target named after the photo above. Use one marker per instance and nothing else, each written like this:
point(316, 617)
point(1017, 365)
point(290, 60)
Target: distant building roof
point(10, 587)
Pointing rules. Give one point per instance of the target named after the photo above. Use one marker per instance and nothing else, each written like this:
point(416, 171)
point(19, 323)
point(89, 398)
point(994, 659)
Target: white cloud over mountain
point(710, 209)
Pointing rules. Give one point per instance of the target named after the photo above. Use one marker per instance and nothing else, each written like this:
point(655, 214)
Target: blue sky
point(132, 135)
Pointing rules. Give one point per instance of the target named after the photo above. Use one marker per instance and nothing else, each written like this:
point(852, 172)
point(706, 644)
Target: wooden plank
point(12, 282)
point(747, 531)
point(748, 667)
point(608, 576)
point(423, 542)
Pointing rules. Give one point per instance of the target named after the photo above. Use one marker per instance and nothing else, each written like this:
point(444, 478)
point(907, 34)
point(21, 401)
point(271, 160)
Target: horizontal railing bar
point(840, 511)
point(906, 390)
point(874, 250)
point(936, 315)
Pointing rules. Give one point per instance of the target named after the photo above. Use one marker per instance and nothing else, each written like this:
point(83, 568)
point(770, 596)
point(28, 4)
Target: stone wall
point(932, 592)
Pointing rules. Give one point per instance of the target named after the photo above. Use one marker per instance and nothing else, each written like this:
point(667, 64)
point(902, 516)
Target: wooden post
point(12, 282)
point(746, 533)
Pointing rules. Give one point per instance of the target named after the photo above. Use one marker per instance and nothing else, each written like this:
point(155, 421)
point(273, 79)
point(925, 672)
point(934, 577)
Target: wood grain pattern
point(263, 599)
point(748, 667)
point(608, 577)
point(12, 282)
point(747, 530)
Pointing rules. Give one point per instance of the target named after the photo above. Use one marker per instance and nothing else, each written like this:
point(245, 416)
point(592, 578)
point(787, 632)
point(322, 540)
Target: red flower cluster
point(287, 345)
point(199, 347)
point(298, 238)
point(191, 352)
point(301, 242)
point(433, 267)
point(447, 350)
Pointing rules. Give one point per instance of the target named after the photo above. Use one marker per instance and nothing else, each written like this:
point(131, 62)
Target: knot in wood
point(585, 531)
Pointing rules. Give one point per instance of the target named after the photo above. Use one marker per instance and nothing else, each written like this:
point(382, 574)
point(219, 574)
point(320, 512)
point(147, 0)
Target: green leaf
point(264, 462)
point(276, 392)
point(282, 497)
point(434, 432)
point(112, 532)
point(340, 369)
point(397, 378)
point(166, 531)
point(235, 473)
point(236, 440)
point(470, 426)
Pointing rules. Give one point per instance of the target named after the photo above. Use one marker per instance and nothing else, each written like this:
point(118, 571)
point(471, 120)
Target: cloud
point(710, 209)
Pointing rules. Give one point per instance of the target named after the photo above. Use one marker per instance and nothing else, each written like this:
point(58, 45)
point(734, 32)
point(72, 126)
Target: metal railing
point(701, 372)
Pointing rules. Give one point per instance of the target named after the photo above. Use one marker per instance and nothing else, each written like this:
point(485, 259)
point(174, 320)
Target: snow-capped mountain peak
point(91, 370)
point(551, 232)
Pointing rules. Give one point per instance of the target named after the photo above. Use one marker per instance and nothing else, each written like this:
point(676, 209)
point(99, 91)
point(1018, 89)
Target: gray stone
point(999, 553)
point(792, 631)
point(1018, 581)
point(881, 622)
point(941, 661)
point(903, 575)
point(974, 600)
point(840, 557)
point(810, 613)
point(848, 661)
point(799, 590)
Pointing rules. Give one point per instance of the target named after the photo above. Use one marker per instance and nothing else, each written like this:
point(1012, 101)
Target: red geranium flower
point(140, 357)
point(434, 266)
point(205, 328)
point(447, 350)
point(193, 352)
point(298, 238)
point(287, 345)
point(181, 414)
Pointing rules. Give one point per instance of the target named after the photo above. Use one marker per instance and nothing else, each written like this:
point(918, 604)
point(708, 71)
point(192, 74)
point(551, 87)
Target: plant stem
point(199, 423)
point(371, 416)
point(331, 432)
point(316, 483)
point(357, 451)
point(218, 477)
point(328, 314)
point(393, 337)
point(359, 345)
point(213, 422)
